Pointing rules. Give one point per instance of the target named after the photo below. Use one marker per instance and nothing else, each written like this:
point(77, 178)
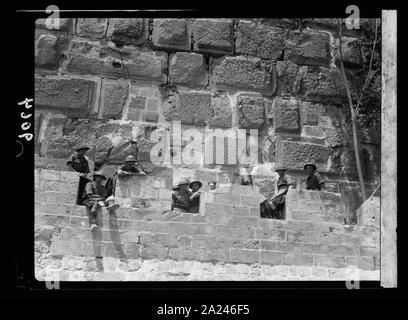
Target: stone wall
point(114, 84)
point(227, 240)
point(110, 83)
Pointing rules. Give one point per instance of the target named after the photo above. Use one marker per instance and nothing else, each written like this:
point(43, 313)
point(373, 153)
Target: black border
point(26, 286)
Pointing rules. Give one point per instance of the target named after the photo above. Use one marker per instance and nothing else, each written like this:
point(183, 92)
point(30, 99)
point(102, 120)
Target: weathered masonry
point(227, 240)
point(111, 83)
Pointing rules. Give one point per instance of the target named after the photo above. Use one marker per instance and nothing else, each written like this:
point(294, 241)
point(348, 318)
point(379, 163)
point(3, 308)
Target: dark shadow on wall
point(97, 241)
point(267, 212)
point(115, 236)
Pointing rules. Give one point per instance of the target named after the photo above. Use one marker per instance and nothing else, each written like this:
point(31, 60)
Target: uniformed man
point(243, 175)
point(130, 167)
point(79, 163)
point(276, 203)
point(195, 196)
point(314, 180)
point(181, 196)
point(96, 196)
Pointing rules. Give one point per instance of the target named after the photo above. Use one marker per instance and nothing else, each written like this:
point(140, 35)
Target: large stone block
point(286, 115)
point(221, 105)
point(313, 83)
point(251, 110)
point(329, 261)
point(235, 232)
point(213, 36)
point(166, 240)
point(91, 27)
point(296, 154)
point(243, 222)
point(218, 254)
point(241, 72)
point(311, 113)
point(307, 48)
point(47, 51)
point(320, 84)
point(365, 263)
point(114, 96)
point(171, 34)
point(270, 257)
point(218, 209)
point(238, 243)
point(111, 62)
point(153, 251)
point(298, 259)
point(197, 254)
point(259, 40)
point(52, 220)
point(266, 233)
point(226, 198)
point(188, 68)
point(128, 31)
point(64, 134)
point(73, 95)
point(65, 247)
point(351, 52)
point(190, 107)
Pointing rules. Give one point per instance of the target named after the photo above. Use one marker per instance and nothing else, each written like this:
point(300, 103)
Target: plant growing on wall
point(359, 101)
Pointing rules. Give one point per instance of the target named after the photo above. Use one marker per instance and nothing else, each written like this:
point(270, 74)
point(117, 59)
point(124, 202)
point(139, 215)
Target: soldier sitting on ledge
point(130, 167)
point(95, 196)
point(314, 180)
point(274, 206)
point(181, 196)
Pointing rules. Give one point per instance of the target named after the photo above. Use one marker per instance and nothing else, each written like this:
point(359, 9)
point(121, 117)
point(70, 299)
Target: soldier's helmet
point(197, 182)
point(281, 168)
point(83, 147)
point(310, 164)
point(99, 174)
point(130, 159)
point(183, 181)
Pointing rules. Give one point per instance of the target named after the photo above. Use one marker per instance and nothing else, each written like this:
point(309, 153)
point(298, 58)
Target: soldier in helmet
point(314, 180)
point(276, 204)
point(130, 167)
point(78, 162)
point(95, 196)
point(181, 196)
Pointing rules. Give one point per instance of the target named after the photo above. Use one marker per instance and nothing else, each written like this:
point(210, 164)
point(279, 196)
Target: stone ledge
point(74, 268)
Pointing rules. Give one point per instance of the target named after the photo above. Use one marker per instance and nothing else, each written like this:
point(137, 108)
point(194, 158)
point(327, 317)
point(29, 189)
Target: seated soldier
point(181, 196)
point(276, 204)
point(314, 180)
point(130, 167)
point(79, 163)
point(195, 196)
point(96, 196)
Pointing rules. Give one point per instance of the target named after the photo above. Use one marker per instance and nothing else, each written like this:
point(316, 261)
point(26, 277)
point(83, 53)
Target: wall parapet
point(230, 231)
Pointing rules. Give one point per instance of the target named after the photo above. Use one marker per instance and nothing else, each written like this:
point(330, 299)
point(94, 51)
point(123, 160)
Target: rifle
point(79, 173)
point(279, 194)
